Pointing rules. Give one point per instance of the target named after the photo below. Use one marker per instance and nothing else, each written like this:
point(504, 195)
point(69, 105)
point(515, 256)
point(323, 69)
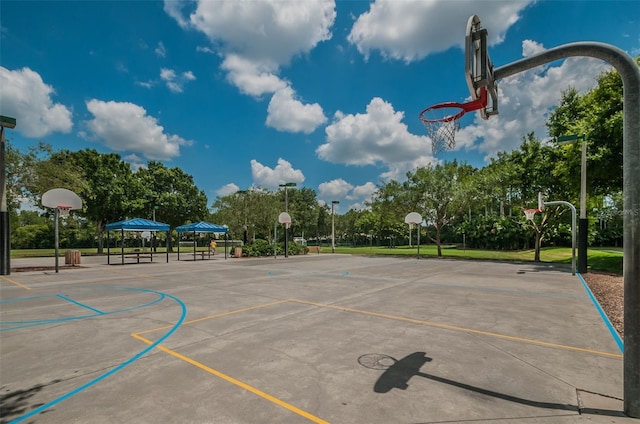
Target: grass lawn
point(599, 259)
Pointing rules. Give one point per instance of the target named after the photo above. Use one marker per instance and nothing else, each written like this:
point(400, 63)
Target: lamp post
point(583, 228)
point(244, 212)
point(333, 225)
point(153, 239)
point(286, 209)
point(5, 235)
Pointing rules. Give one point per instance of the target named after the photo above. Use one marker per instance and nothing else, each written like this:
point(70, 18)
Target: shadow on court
point(398, 373)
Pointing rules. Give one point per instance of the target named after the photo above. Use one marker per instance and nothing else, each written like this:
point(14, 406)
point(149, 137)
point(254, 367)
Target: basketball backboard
point(413, 218)
point(61, 198)
point(285, 218)
point(478, 67)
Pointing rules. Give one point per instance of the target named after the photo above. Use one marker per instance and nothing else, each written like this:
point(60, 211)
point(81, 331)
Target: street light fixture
point(5, 236)
point(333, 225)
point(583, 229)
point(286, 209)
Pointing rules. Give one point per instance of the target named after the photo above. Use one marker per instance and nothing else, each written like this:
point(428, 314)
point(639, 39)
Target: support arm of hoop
point(464, 108)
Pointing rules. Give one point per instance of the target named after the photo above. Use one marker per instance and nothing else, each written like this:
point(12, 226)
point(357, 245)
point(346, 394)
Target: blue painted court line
point(68, 299)
point(34, 323)
point(116, 369)
point(604, 317)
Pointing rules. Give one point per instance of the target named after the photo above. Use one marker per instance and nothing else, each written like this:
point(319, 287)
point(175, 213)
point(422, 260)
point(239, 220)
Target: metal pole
point(573, 231)
point(584, 222)
point(5, 235)
point(418, 241)
point(56, 237)
point(286, 227)
point(630, 74)
point(333, 229)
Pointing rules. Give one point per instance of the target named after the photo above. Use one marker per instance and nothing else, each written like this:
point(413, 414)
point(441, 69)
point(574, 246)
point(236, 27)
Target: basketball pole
point(5, 228)
point(630, 74)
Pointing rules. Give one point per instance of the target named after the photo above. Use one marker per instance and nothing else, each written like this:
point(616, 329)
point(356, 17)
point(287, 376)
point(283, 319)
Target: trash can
point(72, 257)
point(237, 252)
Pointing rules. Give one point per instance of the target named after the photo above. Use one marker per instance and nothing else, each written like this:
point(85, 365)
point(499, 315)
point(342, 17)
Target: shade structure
point(200, 227)
point(135, 224)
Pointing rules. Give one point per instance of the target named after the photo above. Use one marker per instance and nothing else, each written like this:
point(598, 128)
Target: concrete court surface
point(315, 338)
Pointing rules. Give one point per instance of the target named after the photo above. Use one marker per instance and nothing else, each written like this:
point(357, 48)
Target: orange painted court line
point(236, 382)
point(15, 282)
point(264, 305)
point(466, 330)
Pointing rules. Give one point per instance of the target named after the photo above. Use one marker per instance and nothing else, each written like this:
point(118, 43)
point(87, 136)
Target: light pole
point(153, 239)
point(244, 212)
point(333, 225)
point(5, 235)
point(286, 209)
point(583, 228)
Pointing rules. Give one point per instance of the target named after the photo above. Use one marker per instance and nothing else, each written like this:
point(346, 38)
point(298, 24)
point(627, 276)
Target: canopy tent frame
point(135, 224)
point(201, 227)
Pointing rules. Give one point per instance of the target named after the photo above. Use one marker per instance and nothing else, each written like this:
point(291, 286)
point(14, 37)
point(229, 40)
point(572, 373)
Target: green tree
point(304, 210)
point(390, 205)
point(598, 114)
point(103, 181)
point(256, 208)
point(175, 194)
point(438, 192)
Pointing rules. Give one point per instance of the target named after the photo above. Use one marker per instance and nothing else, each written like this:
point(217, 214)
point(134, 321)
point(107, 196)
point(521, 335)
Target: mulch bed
point(609, 291)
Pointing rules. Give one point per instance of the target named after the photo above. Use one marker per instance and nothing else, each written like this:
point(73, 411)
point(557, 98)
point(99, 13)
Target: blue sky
point(325, 94)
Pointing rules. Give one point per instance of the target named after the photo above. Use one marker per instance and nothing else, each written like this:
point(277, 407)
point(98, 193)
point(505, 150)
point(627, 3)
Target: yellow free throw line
point(456, 328)
point(15, 282)
point(236, 382)
point(264, 305)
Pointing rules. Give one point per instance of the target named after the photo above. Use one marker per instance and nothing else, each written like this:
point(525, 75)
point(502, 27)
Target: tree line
point(482, 207)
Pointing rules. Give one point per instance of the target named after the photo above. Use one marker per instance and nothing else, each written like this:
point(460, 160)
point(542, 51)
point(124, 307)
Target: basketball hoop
point(530, 213)
point(442, 120)
point(63, 211)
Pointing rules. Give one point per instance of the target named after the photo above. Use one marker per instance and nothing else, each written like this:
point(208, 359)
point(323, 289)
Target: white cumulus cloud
point(27, 98)
point(252, 78)
point(410, 30)
point(124, 126)
point(175, 82)
point(377, 137)
point(227, 189)
point(256, 38)
point(286, 113)
point(334, 190)
point(161, 50)
point(283, 173)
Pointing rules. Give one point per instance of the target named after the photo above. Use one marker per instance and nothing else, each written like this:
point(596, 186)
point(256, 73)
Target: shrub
point(263, 248)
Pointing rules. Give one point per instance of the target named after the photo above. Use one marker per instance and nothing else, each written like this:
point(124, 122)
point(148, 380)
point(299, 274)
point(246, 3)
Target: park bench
point(137, 254)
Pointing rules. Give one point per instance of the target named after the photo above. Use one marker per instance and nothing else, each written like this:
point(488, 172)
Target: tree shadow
point(16, 403)
point(398, 373)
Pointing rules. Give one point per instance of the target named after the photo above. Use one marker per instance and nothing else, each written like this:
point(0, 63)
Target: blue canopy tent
point(201, 227)
point(135, 224)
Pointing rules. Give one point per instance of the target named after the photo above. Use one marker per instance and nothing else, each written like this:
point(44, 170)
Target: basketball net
point(63, 211)
point(442, 120)
point(530, 213)
point(442, 133)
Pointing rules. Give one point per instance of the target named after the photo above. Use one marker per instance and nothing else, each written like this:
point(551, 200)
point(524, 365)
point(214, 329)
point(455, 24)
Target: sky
point(325, 94)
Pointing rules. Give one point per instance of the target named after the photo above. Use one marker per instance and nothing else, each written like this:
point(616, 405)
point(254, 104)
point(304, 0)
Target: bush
point(258, 248)
point(263, 248)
